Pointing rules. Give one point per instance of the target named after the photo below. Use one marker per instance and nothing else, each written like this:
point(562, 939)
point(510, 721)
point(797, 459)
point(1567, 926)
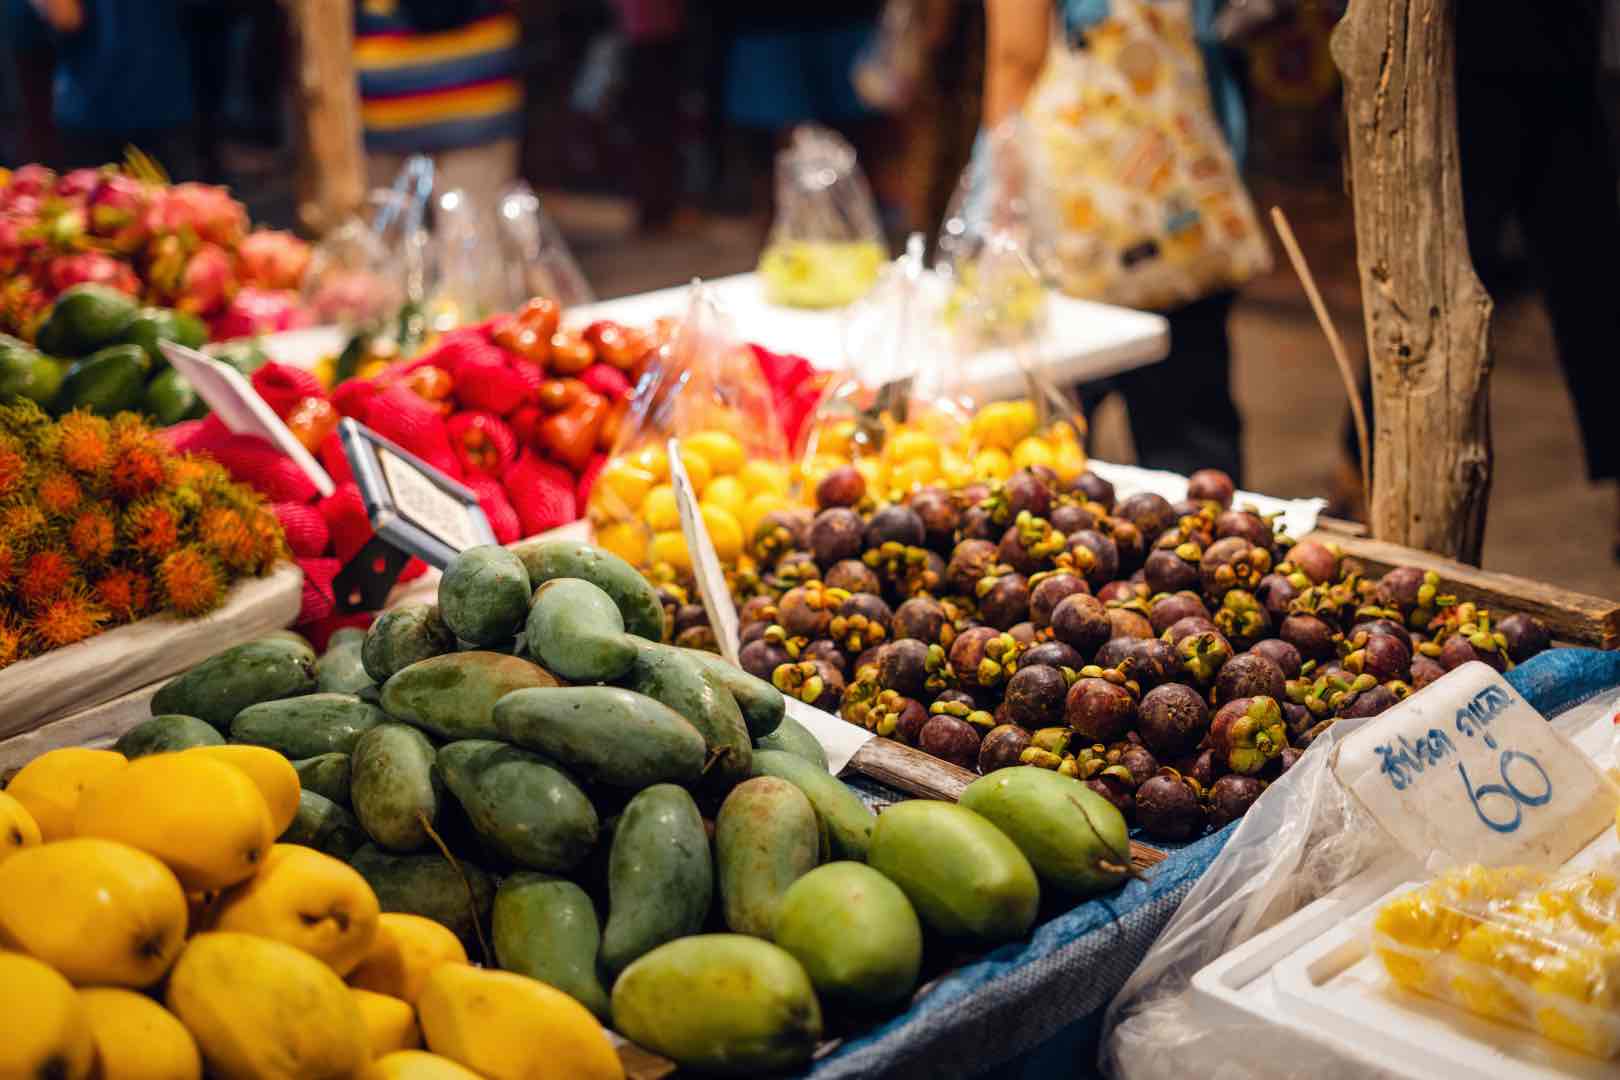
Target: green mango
point(633, 594)
point(670, 675)
point(170, 398)
point(574, 629)
point(453, 696)
point(1076, 840)
point(85, 318)
point(169, 731)
point(226, 683)
point(108, 381)
point(401, 636)
point(765, 839)
point(545, 927)
point(484, 595)
point(763, 706)
point(855, 933)
point(307, 726)
point(429, 886)
point(794, 738)
point(340, 669)
point(325, 826)
point(392, 786)
point(25, 372)
point(604, 735)
point(660, 876)
point(524, 807)
point(849, 822)
point(154, 324)
point(325, 774)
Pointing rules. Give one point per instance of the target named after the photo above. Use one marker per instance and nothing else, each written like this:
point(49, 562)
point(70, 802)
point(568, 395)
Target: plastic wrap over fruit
point(349, 281)
point(826, 244)
point(706, 388)
point(472, 281)
point(536, 254)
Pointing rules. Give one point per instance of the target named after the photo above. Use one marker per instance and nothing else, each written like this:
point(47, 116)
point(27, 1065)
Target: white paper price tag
point(1468, 772)
point(711, 580)
point(412, 505)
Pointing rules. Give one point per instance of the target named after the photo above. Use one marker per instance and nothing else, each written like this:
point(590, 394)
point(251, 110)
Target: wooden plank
point(69, 680)
point(331, 165)
point(95, 727)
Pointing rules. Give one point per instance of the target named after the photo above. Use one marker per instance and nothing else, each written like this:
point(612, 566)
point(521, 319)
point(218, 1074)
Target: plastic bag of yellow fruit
point(1517, 945)
point(826, 245)
point(708, 392)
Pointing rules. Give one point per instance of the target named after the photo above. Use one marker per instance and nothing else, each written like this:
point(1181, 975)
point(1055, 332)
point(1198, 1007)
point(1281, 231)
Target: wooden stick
point(1302, 269)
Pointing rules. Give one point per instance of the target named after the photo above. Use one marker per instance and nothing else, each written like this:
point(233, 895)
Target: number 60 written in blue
point(1507, 789)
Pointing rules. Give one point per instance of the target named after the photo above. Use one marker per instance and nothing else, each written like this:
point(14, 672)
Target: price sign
point(711, 580)
point(1468, 772)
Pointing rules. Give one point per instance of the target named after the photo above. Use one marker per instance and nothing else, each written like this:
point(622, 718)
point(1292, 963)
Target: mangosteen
point(1170, 571)
point(977, 523)
point(1369, 702)
point(939, 517)
point(1191, 508)
point(827, 652)
point(836, 533)
point(1002, 747)
point(909, 723)
point(1231, 796)
point(1406, 588)
point(1279, 652)
point(1068, 518)
point(1172, 720)
point(1247, 733)
point(1129, 540)
point(690, 615)
point(862, 621)
point(751, 632)
point(1028, 546)
point(1247, 524)
point(1025, 490)
point(1232, 563)
point(1211, 485)
point(895, 524)
point(1383, 626)
point(971, 561)
point(1167, 808)
point(1112, 653)
point(1276, 593)
point(903, 667)
point(1140, 762)
point(1006, 602)
point(1383, 656)
point(1425, 669)
point(1023, 633)
point(1315, 560)
point(1186, 627)
point(1035, 696)
point(1525, 635)
point(760, 657)
point(1203, 655)
point(1055, 654)
point(1048, 592)
point(1150, 513)
point(1312, 636)
point(1120, 592)
point(867, 658)
point(1116, 791)
point(698, 637)
point(779, 531)
point(1250, 675)
point(815, 682)
point(1288, 758)
point(950, 739)
point(1081, 622)
point(805, 610)
point(1094, 488)
point(1241, 618)
point(1297, 717)
point(843, 486)
point(1095, 556)
point(1127, 623)
point(757, 609)
point(852, 576)
point(1199, 768)
point(967, 651)
point(1153, 662)
point(1098, 710)
point(795, 566)
point(921, 617)
point(956, 697)
point(1458, 650)
point(1168, 610)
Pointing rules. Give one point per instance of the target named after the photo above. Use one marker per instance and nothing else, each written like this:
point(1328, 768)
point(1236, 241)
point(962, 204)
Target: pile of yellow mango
point(150, 926)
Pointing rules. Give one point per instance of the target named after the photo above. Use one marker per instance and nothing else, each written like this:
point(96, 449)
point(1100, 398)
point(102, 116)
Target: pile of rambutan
point(102, 524)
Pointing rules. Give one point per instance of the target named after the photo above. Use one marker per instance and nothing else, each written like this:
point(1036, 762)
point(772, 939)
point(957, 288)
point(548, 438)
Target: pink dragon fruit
point(117, 211)
point(259, 311)
point(20, 204)
point(33, 180)
point(63, 227)
point(77, 185)
point(205, 211)
point(207, 281)
point(272, 259)
point(18, 242)
point(64, 271)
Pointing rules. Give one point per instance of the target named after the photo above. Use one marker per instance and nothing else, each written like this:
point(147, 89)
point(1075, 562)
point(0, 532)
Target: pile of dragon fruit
point(184, 246)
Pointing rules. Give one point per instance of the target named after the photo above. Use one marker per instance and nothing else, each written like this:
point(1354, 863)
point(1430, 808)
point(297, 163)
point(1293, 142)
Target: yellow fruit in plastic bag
point(626, 539)
point(406, 949)
point(511, 1027)
point(18, 829)
point(260, 1008)
point(270, 772)
point(720, 449)
point(915, 473)
point(1416, 921)
point(872, 471)
point(1589, 903)
point(390, 1022)
point(652, 459)
point(97, 911)
point(907, 445)
point(1069, 461)
point(205, 819)
point(625, 485)
point(49, 787)
point(415, 1065)
point(759, 506)
point(1569, 1029)
point(759, 477)
point(660, 510)
point(308, 900)
point(1002, 424)
point(1032, 451)
point(670, 547)
point(992, 464)
point(725, 531)
point(698, 469)
point(138, 1039)
point(43, 1029)
point(726, 493)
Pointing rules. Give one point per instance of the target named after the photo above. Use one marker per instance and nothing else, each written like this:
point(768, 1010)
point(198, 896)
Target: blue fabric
point(775, 79)
point(127, 70)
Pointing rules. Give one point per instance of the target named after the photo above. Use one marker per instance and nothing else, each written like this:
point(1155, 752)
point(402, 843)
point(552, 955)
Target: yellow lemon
point(907, 445)
point(1001, 424)
point(725, 531)
point(626, 485)
point(138, 1039)
point(512, 1027)
point(18, 829)
point(95, 910)
point(698, 469)
point(405, 950)
point(43, 1029)
point(913, 473)
point(390, 1022)
point(992, 464)
point(720, 449)
point(670, 547)
point(660, 510)
point(202, 817)
point(415, 1065)
point(49, 786)
point(726, 492)
point(259, 1008)
point(308, 900)
point(1032, 451)
point(651, 459)
point(1068, 461)
point(759, 477)
point(626, 539)
point(270, 772)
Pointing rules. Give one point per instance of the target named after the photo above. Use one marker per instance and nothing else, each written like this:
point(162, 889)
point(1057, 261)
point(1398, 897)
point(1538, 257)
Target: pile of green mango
point(639, 825)
point(98, 350)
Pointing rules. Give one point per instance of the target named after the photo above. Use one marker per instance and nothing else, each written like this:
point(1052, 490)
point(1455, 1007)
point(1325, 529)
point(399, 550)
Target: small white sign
point(412, 505)
point(240, 408)
point(837, 736)
point(427, 504)
point(1468, 772)
point(711, 579)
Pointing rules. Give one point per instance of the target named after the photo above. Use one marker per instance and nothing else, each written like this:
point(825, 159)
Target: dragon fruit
point(78, 184)
point(117, 211)
point(17, 243)
point(21, 205)
point(207, 282)
point(64, 226)
point(64, 271)
point(203, 210)
point(272, 259)
point(31, 180)
point(258, 311)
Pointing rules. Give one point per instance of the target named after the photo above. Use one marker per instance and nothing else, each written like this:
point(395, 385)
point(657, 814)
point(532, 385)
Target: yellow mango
point(512, 1027)
point(698, 469)
point(390, 1022)
point(759, 477)
point(725, 532)
point(99, 912)
point(726, 493)
point(1001, 424)
point(405, 950)
point(202, 817)
point(670, 547)
point(138, 1039)
point(308, 900)
point(49, 786)
point(652, 459)
point(264, 1010)
point(415, 1065)
point(43, 1029)
point(18, 829)
point(659, 509)
point(992, 464)
point(626, 539)
point(625, 485)
point(910, 445)
point(1033, 451)
point(720, 449)
point(270, 772)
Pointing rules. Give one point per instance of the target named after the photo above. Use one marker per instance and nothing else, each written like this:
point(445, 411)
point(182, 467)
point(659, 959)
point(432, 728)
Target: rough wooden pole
point(331, 166)
point(1427, 315)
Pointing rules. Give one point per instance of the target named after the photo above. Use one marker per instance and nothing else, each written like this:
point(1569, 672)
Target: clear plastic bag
point(537, 257)
point(826, 243)
point(472, 282)
point(706, 388)
point(362, 272)
point(890, 69)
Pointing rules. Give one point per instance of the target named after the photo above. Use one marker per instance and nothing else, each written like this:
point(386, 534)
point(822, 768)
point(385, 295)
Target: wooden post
point(331, 166)
point(1427, 315)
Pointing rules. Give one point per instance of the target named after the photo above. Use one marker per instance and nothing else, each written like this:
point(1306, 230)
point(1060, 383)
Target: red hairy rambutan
point(126, 593)
point(65, 620)
point(92, 534)
point(58, 492)
point(153, 528)
point(84, 442)
point(190, 582)
point(44, 577)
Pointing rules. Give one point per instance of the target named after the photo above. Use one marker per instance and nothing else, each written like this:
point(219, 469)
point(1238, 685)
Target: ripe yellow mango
point(390, 1022)
point(18, 829)
point(415, 1065)
point(404, 951)
point(202, 817)
point(263, 1010)
point(308, 900)
point(270, 772)
point(512, 1027)
point(99, 912)
point(49, 786)
point(43, 1029)
point(138, 1039)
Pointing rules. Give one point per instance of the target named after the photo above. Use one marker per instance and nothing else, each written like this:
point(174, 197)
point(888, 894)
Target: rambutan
point(126, 593)
point(153, 528)
point(270, 543)
point(8, 565)
point(58, 492)
point(84, 442)
point(11, 643)
point(69, 618)
point(138, 466)
point(13, 469)
point(190, 582)
point(186, 471)
point(92, 534)
point(226, 534)
point(44, 577)
point(21, 523)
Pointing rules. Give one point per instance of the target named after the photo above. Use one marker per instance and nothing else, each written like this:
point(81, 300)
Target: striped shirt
point(441, 90)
